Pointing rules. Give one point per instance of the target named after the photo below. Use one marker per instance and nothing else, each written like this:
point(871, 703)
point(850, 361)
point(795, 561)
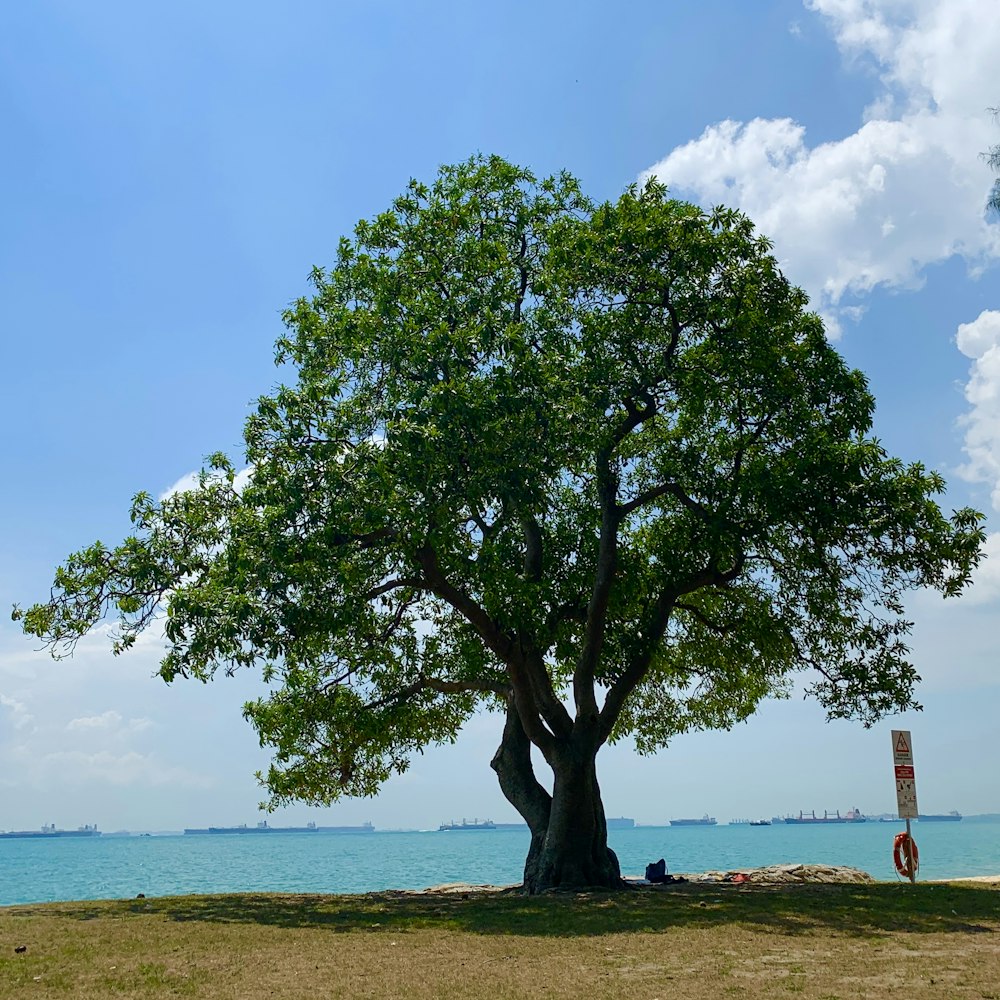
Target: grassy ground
point(690, 941)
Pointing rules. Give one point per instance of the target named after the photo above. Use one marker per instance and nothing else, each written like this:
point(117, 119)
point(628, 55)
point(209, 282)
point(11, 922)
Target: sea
point(117, 867)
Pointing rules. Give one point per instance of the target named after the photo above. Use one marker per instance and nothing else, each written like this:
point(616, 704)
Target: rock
point(789, 874)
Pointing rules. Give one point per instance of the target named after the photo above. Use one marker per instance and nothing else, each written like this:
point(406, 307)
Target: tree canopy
point(593, 465)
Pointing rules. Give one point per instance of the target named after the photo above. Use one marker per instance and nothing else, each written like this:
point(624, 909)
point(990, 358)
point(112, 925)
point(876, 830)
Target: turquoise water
point(121, 867)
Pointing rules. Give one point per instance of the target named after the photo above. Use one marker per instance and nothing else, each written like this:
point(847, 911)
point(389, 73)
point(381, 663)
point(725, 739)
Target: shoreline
point(774, 876)
point(771, 875)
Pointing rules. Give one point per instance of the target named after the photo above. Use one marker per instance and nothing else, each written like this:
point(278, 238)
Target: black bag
point(656, 871)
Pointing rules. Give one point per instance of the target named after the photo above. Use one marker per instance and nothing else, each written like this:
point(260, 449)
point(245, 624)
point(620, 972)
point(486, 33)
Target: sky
point(171, 172)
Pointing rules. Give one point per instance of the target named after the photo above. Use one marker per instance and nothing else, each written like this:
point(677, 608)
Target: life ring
point(899, 858)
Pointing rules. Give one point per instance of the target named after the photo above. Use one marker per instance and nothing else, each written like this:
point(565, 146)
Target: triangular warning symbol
point(901, 745)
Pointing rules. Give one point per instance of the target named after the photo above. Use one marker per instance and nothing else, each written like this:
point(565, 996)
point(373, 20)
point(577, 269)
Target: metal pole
point(909, 852)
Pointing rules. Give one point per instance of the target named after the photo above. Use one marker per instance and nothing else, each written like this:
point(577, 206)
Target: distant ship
point(263, 827)
point(613, 822)
point(486, 824)
point(620, 823)
point(851, 816)
point(749, 822)
point(953, 817)
point(706, 820)
point(51, 833)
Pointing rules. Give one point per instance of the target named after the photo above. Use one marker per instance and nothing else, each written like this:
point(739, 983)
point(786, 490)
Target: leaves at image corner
point(594, 464)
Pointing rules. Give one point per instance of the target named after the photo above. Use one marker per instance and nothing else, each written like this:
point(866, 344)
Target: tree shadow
point(855, 910)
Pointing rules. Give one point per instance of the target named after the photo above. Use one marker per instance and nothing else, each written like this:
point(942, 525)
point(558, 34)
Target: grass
point(691, 941)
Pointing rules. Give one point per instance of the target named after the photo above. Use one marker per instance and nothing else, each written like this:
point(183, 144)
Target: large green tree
point(593, 466)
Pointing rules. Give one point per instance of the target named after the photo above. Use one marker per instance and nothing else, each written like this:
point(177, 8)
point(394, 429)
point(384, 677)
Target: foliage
point(545, 453)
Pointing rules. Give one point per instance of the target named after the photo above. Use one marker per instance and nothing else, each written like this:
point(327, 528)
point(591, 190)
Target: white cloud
point(108, 722)
point(189, 481)
point(19, 713)
point(986, 579)
point(904, 191)
point(975, 339)
point(106, 768)
point(980, 340)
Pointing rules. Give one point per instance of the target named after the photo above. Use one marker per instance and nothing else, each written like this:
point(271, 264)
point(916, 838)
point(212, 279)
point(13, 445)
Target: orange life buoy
point(899, 858)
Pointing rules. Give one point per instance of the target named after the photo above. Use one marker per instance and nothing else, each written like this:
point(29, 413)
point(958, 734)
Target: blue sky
point(171, 172)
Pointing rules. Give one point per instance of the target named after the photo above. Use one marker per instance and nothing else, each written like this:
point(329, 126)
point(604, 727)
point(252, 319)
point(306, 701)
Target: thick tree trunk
point(569, 834)
point(575, 852)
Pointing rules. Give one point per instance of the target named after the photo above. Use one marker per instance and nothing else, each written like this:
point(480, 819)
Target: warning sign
point(906, 785)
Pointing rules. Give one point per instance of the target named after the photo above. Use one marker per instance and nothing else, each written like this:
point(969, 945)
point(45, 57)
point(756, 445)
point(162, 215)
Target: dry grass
point(682, 942)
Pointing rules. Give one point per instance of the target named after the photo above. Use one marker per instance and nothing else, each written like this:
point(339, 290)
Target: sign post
point(906, 788)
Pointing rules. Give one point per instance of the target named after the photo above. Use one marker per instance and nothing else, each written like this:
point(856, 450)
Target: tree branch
point(532, 686)
point(414, 582)
point(366, 540)
point(584, 695)
point(439, 686)
point(666, 489)
point(617, 694)
point(712, 626)
point(485, 626)
point(532, 548)
point(653, 632)
point(512, 763)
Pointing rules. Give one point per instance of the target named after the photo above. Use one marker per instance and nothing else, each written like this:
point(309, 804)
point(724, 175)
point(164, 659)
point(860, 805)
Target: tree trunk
point(512, 763)
point(575, 852)
point(569, 834)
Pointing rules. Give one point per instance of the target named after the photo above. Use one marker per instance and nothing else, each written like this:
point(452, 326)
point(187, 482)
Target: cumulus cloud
point(103, 767)
point(904, 191)
point(189, 481)
point(18, 712)
point(108, 722)
point(92, 749)
point(980, 340)
point(986, 580)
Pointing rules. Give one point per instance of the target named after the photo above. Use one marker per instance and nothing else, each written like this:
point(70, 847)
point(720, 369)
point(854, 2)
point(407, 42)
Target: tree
point(594, 466)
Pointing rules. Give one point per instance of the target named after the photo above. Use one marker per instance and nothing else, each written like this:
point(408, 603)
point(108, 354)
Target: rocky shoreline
point(789, 874)
point(771, 875)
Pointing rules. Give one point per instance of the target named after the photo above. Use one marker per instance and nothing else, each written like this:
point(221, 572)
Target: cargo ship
point(952, 817)
point(851, 816)
point(51, 833)
point(486, 824)
point(264, 827)
point(706, 820)
point(620, 823)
